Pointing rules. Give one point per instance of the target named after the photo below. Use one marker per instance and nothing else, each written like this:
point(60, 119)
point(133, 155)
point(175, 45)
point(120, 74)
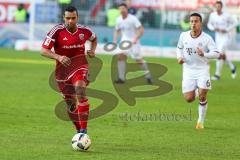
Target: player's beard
point(70, 28)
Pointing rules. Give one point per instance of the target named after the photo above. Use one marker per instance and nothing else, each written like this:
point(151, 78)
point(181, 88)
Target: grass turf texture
point(30, 129)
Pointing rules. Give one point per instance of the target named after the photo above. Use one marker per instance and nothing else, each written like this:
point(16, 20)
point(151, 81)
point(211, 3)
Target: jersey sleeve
point(210, 23)
point(50, 38)
point(117, 27)
point(180, 47)
point(212, 49)
point(232, 23)
point(91, 36)
point(136, 22)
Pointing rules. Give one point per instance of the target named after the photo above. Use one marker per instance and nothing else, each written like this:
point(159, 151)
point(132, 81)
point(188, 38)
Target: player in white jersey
point(131, 30)
point(194, 50)
point(222, 23)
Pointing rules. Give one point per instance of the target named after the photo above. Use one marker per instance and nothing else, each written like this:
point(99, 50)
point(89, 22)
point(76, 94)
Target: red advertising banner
point(225, 2)
point(166, 4)
point(179, 4)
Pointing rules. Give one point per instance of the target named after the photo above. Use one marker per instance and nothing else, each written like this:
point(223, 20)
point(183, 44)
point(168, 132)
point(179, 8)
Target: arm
point(139, 33)
point(180, 55)
point(232, 23)
point(116, 35)
point(180, 46)
point(93, 46)
point(213, 52)
point(210, 23)
point(49, 54)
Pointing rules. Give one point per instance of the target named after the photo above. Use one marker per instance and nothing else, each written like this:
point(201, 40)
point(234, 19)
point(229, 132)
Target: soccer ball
point(81, 141)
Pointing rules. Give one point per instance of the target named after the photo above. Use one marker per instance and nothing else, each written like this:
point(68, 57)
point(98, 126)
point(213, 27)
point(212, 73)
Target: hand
point(217, 30)
point(64, 60)
point(91, 53)
point(223, 30)
point(200, 52)
point(115, 41)
point(134, 41)
point(222, 56)
point(180, 60)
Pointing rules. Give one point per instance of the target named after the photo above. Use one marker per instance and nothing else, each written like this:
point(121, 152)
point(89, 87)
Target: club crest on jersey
point(81, 36)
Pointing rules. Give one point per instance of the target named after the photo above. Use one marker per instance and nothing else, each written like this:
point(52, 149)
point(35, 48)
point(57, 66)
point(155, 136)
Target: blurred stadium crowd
point(162, 17)
point(153, 14)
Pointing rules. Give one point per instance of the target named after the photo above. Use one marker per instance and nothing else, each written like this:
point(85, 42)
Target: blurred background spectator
point(163, 20)
point(112, 14)
point(21, 14)
point(63, 5)
point(185, 24)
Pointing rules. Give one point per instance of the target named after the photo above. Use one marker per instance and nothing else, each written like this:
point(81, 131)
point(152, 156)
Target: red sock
point(83, 109)
point(74, 117)
point(73, 114)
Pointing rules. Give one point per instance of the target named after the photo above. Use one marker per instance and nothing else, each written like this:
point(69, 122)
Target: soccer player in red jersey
point(68, 41)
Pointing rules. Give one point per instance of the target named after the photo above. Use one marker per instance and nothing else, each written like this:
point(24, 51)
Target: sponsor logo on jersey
point(73, 46)
point(81, 36)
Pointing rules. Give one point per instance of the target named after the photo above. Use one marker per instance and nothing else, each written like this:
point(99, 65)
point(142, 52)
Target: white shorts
point(189, 85)
point(223, 44)
point(134, 51)
point(222, 47)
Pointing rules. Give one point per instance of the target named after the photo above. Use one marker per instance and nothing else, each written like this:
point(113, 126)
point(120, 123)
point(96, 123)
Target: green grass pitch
point(31, 131)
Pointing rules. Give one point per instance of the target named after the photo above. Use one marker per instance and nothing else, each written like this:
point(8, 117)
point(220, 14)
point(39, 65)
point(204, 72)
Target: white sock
point(121, 69)
point(230, 64)
point(145, 68)
point(196, 93)
point(202, 110)
point(219, 66)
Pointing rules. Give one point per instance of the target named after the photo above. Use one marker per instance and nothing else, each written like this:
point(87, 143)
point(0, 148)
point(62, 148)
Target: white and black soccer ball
point(81, 141)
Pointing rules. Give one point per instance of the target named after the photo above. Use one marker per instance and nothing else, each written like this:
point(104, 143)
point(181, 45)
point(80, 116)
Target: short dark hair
point(219, 2)
point(123, 5)
point(70, 9)
point(197, 15)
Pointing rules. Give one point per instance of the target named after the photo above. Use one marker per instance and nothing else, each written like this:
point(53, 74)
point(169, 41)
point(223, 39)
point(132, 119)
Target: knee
point(139, 61)
point(80, 89)
point(202, 98)
point(121, 57)
point(189, 99)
